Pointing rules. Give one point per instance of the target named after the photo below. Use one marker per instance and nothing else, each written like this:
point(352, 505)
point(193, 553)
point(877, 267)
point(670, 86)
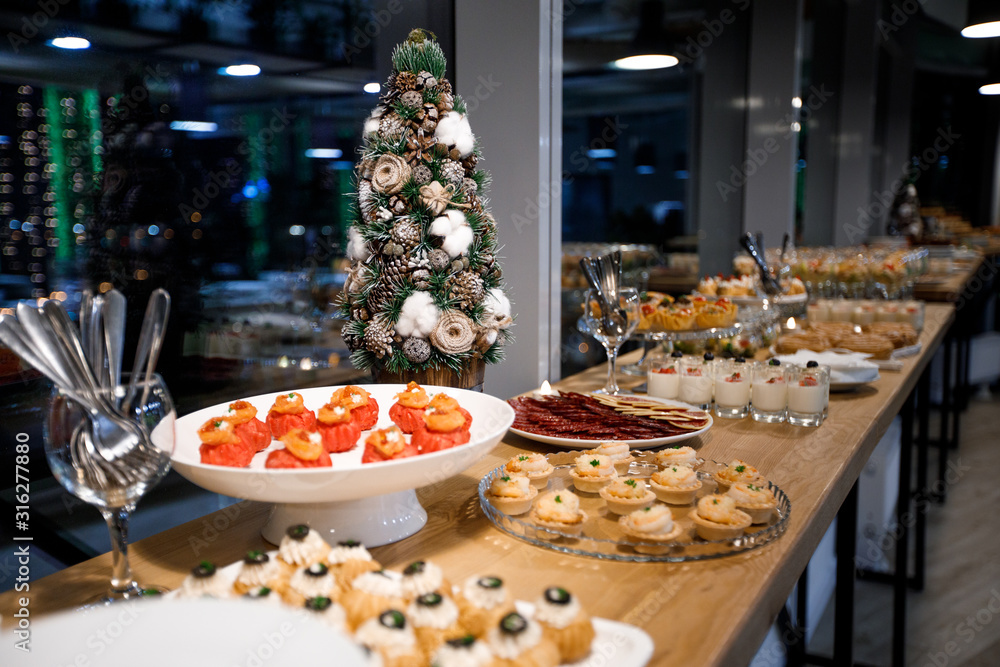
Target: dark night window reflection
point(138, 163)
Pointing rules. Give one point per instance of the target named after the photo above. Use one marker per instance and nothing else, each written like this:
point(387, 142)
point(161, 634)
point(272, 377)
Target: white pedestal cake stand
point(374, 503)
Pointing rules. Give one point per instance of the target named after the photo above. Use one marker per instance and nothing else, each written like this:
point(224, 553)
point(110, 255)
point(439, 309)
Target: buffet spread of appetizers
point(613, 502)
point(415, 616)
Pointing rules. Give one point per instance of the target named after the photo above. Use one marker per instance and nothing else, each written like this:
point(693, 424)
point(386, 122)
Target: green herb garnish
point(630, 482)
point(595, 462)
point(558, 499)
point(740, 469)
point(522, 458)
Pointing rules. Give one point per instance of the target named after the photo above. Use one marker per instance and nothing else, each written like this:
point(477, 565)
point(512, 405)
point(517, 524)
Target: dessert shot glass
point(732, 388)
point(695, 385)
point(808, 393)
point(768, 394)
point(663, 378)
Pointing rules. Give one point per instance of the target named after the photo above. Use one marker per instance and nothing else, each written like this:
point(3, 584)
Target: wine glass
point(113, 487)
point(613, 329)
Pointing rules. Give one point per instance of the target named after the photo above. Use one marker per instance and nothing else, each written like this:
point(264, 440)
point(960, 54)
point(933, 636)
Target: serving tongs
point(770, 285)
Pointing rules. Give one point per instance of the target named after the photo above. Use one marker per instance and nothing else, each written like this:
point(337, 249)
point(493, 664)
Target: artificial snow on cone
point(424, 298)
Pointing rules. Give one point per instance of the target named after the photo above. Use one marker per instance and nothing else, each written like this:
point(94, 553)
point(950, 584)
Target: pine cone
point(366, 200)
point(421, 279)
point(397, 205)
point(446, 102)
point(422, 174)
point(378, 336)
point(470, 186)
point(405, 81)
point(439, 259)
point(392, 124)
point(412, 99)
point(470, 162)
point(416, 350)
point(444, 86)
point(452, 172)
point(394, 270)
point(406, 232)
point(425, 80)
point(426, 119)
point(467, 288)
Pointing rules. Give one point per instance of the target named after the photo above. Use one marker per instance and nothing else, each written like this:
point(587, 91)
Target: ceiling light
point(991, 29)
point(647, 61)
point(246, 69)
point(990, 89)
point(374, 87)
point(74, 43)
point(193, 126)
point(983, 19)
point(324, 153)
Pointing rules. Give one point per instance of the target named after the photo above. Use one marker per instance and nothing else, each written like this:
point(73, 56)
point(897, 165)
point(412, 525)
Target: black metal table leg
point(923, 492)
point(903, 519)
point(843, 620)
point(947, 398)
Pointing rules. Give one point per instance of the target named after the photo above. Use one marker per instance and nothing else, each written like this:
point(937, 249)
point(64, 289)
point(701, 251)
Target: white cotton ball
point(418, 316)
point(490, 336)
point(456, 231)
point(371, 126)
point(357, 248)
point(497, 303)
point(454, 130)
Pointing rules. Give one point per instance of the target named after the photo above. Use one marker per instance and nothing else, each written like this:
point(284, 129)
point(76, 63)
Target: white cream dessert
point(377, 583)
point(302, 546)
point(806, 396)
point(346, 551)
point(514, 636)
point(328, 612)
point(619, 452)
point(258, 569)
point(421, 577)
point(770, 395)
point(732, 390)
point(204, 580)
point(695, 385)
point(512, 494)
point(485, 592)
point(663, 382)
point(312, 581)
point(678, 454)
point(388, 633)
point(463, 652)
point(592, 471)
point(432, 610)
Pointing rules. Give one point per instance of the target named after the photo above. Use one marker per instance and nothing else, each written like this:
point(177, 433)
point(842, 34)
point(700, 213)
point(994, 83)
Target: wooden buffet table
point(701, 613)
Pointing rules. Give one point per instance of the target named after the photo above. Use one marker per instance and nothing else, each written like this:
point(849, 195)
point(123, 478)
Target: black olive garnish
point(392, 619)
point(557, 595)
point(429, 600)
point(490, 582)
point(260, 592)
point(349, 543)
point(462, 642)
point(415, 567)
point(317, 570)
point(812, 364)
point(319, 603)
point(203, 570)
point(256, 558)
point(298, 532)
point(513, 624)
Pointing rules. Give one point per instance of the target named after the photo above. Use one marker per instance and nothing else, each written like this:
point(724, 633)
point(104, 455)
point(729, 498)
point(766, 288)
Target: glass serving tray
point(602, 537)
point(750, 321)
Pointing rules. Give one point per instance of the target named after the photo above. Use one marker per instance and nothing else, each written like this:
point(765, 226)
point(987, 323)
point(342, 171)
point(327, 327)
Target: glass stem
point(612, 385)
point(122, 582)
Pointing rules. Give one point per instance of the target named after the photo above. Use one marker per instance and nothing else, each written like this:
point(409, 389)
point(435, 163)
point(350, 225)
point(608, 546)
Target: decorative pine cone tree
point(425, 295)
